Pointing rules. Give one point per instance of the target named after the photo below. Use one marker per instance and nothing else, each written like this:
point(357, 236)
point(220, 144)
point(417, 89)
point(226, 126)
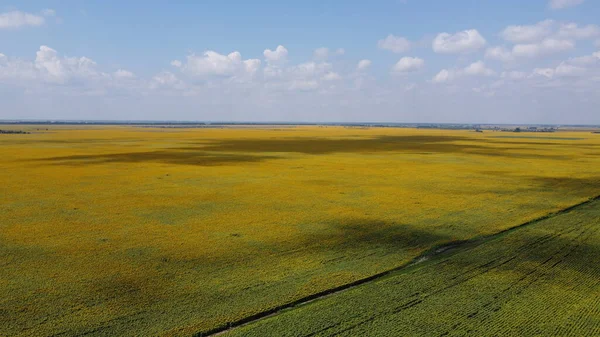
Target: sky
point(420, 61)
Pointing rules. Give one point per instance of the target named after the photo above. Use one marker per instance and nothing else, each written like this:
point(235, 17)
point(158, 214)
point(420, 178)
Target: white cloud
point(408, 64)
point(478, 69)
point(321, 53)
point(528, 33)
point(545, 47)
point(75, 75)
point(176, 63)
point(541, 39)
point(461, 42)
point(212, 63)
point(560, 4)
point(514, 75)
point(166, 80)
point(332, 76)
point(444, 76)
point(363, 64)
point(304, 85)
point(396, 44)
point(121, 73)
point(279, 55)
point(567, 70)
point(545, 72)
point(585, 60)
point(57, 69)
point(308, 70)
point(499, 54)
point(563, 70)
point(474, 69)
point(573, 31)
point(18, 19)
point(304, 76)
point(251, 66)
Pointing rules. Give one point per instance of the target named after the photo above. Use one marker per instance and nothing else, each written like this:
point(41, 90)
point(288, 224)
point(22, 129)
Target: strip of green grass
point(542, 279)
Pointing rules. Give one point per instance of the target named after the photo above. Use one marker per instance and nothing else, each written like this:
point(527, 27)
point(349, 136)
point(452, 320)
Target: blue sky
point(485, 61)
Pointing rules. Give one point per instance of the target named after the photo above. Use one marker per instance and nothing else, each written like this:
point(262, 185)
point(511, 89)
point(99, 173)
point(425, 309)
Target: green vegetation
point(541, 279)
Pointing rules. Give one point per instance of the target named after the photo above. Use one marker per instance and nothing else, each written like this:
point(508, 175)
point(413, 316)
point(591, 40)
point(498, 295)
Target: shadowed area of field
point(176, 157)
point(543, 279)
point(214, 153)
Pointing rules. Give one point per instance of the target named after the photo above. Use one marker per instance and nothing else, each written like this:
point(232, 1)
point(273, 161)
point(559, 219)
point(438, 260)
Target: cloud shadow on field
point(179, 157)
point(228, 152)
point(569, 183)
point(359, 233)
point(401, 144)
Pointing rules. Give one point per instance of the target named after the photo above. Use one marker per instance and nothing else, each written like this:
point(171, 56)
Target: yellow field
point(127, 231)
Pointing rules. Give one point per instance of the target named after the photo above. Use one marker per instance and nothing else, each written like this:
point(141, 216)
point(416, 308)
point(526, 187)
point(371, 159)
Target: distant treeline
point(13, 132)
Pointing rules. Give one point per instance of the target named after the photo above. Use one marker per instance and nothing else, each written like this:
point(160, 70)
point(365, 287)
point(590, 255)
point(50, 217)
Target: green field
point(541, 279)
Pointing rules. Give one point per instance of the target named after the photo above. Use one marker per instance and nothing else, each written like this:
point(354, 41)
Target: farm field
point(111, 230)
point(538, 280)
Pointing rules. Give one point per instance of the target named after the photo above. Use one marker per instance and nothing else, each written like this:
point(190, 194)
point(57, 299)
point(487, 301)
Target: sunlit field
point(156, 231)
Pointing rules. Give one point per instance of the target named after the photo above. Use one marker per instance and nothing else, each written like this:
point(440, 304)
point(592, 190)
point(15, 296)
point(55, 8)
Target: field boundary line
point(438, 250)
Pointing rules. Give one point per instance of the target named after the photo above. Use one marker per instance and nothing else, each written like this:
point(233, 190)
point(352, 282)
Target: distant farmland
point(113, 230)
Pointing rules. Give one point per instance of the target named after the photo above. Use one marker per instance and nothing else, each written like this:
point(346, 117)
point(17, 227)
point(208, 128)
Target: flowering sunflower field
point(114, 230)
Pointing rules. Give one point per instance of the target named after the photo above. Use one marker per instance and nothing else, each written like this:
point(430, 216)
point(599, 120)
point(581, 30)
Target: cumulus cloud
point(363, 64)
point(549, 29)
point(545, 47)
point(323, 53)
point(545, 72)
point(478, 69)
point(474, 69)
point(408, 64)
point(304, 85)
point(499, 54)
point(461, 42)
point(332, 76)
point(528, 33)
point(568, 70)
point(560, 4)
point(166, 80)
point(586, 60)
point(58, 69)
point(513, 75)
point(304, 76)
point(279, 55)
point(574, 31)
point(396, 44)
point(18, 19)
point(211, 63)
point(541, 39)
point(444, 76)
point(122, 73)
point(73, 75)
